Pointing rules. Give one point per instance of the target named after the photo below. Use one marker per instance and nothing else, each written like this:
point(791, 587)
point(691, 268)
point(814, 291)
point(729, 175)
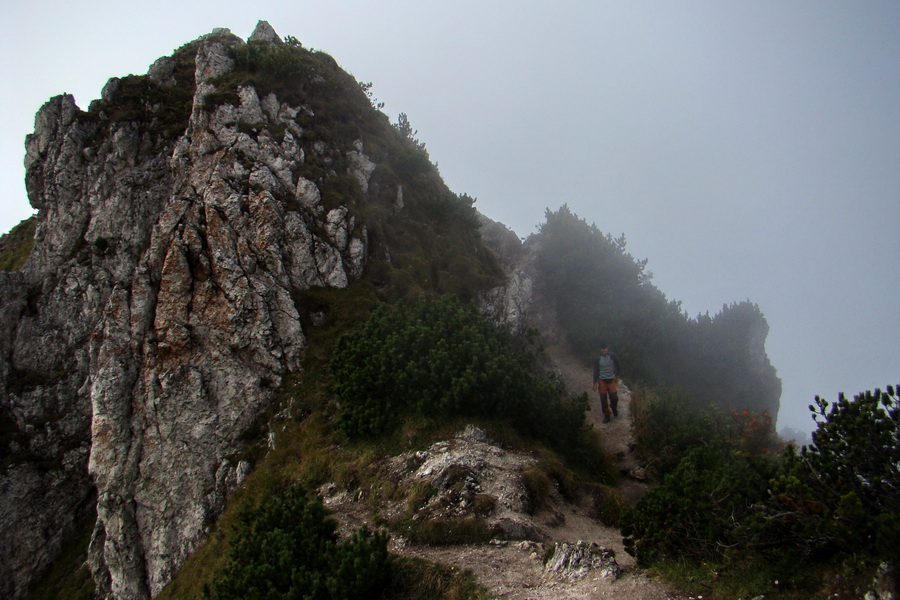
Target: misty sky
point(749, 150)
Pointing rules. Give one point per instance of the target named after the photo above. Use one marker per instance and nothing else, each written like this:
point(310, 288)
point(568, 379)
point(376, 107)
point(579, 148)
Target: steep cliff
point(180, 220)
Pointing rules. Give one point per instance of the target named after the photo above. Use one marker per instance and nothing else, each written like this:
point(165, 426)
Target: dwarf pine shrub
point(287, 548)
point(730, 501)
point(695, 513)
point(438, 358)
point(841, 494)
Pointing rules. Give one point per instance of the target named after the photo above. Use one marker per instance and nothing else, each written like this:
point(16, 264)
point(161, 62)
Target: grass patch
point(16, 246)
point(446, 531)
point(416, 579)
point(608, 503)
point(538, 486)
point(419, 494)
point(67, 577)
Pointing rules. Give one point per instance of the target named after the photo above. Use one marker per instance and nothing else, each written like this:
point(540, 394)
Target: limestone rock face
point(574, 561)
point(154, 315)
point(510, 304)
point(264, 33)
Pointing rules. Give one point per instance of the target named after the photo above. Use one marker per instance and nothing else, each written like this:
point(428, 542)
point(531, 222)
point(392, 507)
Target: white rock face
point(153, 318)
point(575, 561)
point(512, 304)
point(468, 465)
point(264, 33)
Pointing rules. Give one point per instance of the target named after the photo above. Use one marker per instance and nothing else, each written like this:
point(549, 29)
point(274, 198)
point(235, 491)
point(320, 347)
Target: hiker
point(606, 376)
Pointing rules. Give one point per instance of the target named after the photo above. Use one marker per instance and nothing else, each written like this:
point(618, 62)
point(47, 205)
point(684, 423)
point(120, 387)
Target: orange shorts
point(607, 386)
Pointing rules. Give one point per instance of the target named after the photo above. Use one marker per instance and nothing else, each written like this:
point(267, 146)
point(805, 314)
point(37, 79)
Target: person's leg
point(609, 385)
point(603, 389)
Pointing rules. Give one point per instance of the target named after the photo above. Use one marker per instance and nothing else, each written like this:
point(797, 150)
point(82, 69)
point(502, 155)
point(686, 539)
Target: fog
point(749, 150)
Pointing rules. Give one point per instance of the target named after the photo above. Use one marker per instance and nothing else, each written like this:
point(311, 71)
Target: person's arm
point(616, 365)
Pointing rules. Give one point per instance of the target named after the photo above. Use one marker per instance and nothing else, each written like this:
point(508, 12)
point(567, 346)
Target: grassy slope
point(15, 246)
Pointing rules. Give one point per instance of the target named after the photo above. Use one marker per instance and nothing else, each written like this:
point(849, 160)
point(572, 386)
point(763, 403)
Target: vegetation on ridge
point(15, 246)
point(601, 292)
point(439, 359)
point(423, 243)
point(740, 514)
point(400, 360)
point(288, 548)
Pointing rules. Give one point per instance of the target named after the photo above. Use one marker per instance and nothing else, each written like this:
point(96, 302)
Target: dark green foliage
point(437, 358)
point(730, 502)
point(274, 68)
point(288, 548)
point(15, 246)
point(341, 108)
point(668, 423)
point(856, 448)
point(595, 284)
point(406, 130)
point(601, 292)
point(411, 162)
point(842, 493)
point(162, 111)
point(361, 567)
point(722, 358)
point(696, 511)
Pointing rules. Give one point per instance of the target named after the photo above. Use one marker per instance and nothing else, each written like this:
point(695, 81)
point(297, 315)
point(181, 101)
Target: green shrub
point(840, 495)
point(695, 513)
point(416, 579)
point(729, 508)
point(668, 423)
point(288, 548)
point(436, 357)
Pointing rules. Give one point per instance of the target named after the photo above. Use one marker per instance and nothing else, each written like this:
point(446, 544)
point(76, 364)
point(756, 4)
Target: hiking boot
point(606, 419)
point(615, 410)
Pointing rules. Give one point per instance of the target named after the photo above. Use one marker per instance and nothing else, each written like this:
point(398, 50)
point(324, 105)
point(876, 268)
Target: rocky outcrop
point(570, 561)
point(468, 467)
point(155, 314)
point(470, 481)
point(510, 305)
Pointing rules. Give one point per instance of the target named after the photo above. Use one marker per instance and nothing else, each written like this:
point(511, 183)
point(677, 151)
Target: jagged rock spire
point(264, 33)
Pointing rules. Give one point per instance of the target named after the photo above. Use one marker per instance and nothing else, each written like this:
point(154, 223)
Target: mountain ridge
point(194, 228)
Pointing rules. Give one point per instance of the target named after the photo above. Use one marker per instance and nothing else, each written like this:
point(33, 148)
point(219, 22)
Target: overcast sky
point(749, 150)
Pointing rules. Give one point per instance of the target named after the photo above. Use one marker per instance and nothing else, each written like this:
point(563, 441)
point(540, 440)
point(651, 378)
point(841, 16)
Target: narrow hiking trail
point(616, 437)
point(515, 570)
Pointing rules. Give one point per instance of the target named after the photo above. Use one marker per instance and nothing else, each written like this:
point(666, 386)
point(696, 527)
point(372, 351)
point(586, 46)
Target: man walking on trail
point(606, 376)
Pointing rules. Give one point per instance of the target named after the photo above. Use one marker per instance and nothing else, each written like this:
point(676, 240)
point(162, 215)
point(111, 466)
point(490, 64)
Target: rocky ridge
point(155, 315)
point(558, 550)
point(179, 220)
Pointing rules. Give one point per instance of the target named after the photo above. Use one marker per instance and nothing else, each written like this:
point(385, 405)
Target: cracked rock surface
point(155, 314)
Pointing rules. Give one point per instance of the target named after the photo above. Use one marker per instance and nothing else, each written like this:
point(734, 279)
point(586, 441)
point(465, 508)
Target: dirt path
point(515, 571)
point(616, 436)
